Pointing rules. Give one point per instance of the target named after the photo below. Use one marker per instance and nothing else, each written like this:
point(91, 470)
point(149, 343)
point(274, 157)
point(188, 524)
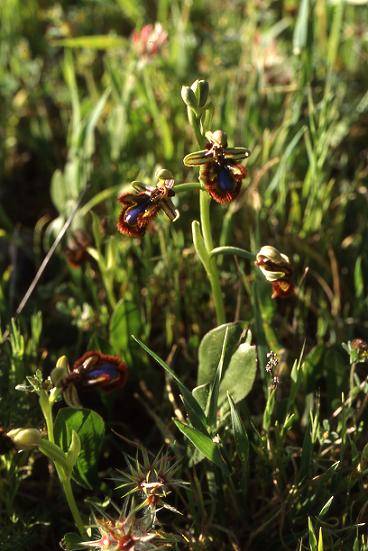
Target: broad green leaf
point(195, 413)
point(200, 393)
point(240, 373)
point(210, 349)
point(90, 428)
point(202, 443)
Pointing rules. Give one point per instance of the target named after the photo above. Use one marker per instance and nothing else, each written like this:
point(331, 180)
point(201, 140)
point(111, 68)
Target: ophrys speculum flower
point(276, 268)
point(92, 370)
point(141, 207)
point(220, 170)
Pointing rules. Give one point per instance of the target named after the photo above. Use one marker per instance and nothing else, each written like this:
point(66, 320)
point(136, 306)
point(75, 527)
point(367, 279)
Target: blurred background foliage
point(84, 112)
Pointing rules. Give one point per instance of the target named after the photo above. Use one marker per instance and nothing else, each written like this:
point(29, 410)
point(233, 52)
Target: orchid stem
point(65, 481)
point(210, 267)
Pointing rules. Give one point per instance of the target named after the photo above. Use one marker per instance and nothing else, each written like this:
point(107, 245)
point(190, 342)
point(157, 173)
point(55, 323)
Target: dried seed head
point(272, 362)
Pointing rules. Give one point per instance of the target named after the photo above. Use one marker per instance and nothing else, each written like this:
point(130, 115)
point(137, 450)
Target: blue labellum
point(104, 369)
point(226, 180)
point(132, 213)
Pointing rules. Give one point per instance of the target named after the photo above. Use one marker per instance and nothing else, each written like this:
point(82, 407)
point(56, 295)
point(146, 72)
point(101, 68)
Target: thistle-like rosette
point(220, 170)
point(152, 479)
point(276, 268)
point(141, 207)
point(128, 532)
point(123, 533)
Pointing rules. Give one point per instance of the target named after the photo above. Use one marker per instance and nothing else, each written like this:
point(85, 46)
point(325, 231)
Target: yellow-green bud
point(60, 371)
point(201, 90)
point(163, 174)
point(25, 438)
point(189, 97)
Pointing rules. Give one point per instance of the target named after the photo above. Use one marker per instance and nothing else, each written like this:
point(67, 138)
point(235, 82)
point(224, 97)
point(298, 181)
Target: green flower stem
point(68, 491)
point(46, 407)
point(210, 263)
point(204, 204)
point(237, 251)
point(190, 186)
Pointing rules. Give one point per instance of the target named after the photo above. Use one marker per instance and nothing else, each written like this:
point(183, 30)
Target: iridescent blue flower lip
point(131, 215)
point(139, 208)
point(226, 180)
point(95, 369)
point(105, 370)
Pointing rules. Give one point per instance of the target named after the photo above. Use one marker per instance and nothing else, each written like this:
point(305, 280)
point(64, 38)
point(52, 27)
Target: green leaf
point(326, 507)
point(213, 396)
point(200, 246)
point(320, 540)
point(125, 321)
point(240, 374)
point(95, 42)
point(301, 27)
point(195, 413)
point(358, 278)
point(312, 536)
point(88, 131)
point(73, 451)
point(202, 443)
point(133, 10)
point(90, 428)
point(240, 434)
point(200, 393)
point(58, 191)
point(210, 350)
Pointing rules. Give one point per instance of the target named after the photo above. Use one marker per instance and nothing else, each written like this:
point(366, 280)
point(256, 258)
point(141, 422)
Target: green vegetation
point(183, 374)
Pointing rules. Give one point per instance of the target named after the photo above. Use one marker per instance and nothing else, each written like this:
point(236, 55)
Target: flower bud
point(276, 268)
point(273, 264)
point(59, 372)
point(25, 438)
point(201, 90)
point(358, 351)
point(163, 174)
point(189, 97)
